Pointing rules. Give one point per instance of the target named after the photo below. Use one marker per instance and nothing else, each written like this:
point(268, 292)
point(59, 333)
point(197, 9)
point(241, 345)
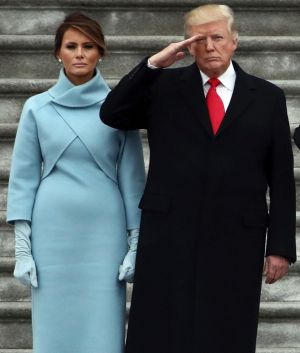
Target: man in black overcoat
point(206, 225)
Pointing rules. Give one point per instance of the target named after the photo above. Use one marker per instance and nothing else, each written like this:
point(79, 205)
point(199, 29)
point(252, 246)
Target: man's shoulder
point(257, 81)
point(265, 84)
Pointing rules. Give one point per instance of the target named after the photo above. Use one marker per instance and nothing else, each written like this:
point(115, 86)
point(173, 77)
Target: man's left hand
point(275, 268)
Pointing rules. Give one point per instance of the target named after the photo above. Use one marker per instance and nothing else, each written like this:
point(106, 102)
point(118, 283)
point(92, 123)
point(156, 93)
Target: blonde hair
point(210, 13)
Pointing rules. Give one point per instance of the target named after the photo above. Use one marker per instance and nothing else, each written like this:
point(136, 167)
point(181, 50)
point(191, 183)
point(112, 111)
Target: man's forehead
point(220, 26)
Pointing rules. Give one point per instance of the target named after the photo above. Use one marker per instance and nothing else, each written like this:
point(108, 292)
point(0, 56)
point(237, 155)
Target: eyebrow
point(91, 42)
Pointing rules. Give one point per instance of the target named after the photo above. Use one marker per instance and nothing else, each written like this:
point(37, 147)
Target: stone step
point(296, 162)
point(30, 351)
point(11, 290)
point(15, 325)
point(7, 242)
point(115, 43)
point(7, 265)
point(130, 17)
point(14, 92)
point(278, 57)
point(279, 333)
point(6, 151)
point(267, 350)
point(286, 290)
point(7, 133)
point(4, 174)
point(279, 325)
point(27, 87)
point(258, 350)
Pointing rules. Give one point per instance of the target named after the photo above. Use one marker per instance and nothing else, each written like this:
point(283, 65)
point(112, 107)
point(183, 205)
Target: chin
point(81, 73)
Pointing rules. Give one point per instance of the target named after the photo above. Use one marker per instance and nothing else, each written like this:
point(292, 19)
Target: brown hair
point(85, 25)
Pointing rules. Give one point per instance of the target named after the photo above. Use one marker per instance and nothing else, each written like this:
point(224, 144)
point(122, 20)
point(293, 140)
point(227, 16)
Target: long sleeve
point(125, 106)
point(25, 171)
point(297, 136)
point(131, 177)
point(282, 224)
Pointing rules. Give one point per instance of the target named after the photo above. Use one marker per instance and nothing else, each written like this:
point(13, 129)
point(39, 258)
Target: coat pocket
point(257, 220)
point(155, 202)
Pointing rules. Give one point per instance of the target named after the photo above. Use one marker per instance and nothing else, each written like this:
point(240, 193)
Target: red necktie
point(215, 105)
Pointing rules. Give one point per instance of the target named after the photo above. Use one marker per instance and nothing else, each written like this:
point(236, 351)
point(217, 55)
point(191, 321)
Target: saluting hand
point(172, 53)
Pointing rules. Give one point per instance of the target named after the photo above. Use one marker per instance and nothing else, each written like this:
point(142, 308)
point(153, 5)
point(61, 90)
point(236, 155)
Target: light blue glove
point(25, 270)
point(126, 270)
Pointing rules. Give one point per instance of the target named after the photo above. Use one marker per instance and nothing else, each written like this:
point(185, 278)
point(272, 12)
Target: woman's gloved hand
point(25, 269)
point(126, 270)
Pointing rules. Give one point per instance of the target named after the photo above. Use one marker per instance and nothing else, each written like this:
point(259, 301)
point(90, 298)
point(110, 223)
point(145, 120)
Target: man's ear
point(235, 40)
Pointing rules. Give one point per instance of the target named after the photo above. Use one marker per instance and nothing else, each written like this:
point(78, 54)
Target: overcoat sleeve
point(297, 136)
point(131, 177)
point(126, 105)
point(25, 173)
point(282, 222)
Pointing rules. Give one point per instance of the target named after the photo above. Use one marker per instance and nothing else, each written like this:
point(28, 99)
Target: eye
point(89, 46)
point(218, 38)
point(70, 46)
point(201, 40)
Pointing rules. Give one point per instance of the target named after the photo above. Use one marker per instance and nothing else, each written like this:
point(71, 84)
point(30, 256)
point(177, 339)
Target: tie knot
point(214, 82)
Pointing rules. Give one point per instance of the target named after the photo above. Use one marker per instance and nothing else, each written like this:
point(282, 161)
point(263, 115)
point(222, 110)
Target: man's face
point(214, 49)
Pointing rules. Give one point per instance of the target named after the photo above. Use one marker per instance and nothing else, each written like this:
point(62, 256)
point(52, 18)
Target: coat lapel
point(192, 91)
point(96, 138)
point(53, 145)
point(243, 95)
point(78, 107)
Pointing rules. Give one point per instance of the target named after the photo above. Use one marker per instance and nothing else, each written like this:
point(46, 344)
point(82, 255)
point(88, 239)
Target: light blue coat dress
point(79, 183)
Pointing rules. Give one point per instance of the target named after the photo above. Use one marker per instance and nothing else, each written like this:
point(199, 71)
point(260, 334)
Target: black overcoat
point(206, 223)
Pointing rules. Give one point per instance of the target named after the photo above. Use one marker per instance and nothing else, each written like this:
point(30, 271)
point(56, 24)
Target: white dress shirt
point(225, 88)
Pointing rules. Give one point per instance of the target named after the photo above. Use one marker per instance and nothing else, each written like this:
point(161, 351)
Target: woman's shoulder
point(37, 101)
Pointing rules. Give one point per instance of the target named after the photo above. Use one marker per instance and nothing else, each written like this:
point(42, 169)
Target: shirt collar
point(227, 78)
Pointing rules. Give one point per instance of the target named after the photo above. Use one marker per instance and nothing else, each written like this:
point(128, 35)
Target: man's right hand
point(172, 53)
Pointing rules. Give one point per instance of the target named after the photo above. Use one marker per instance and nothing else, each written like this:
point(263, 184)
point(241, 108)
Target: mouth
point(79, 64)
point(213, 58)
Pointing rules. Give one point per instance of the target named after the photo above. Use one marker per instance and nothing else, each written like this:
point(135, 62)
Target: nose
point(209, 44)
point(79, 52)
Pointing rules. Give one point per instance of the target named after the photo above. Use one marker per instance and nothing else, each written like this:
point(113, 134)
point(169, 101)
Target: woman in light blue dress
point(73, 196)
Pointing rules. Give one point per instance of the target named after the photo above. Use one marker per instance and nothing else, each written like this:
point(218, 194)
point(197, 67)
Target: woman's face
point(79, 55)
